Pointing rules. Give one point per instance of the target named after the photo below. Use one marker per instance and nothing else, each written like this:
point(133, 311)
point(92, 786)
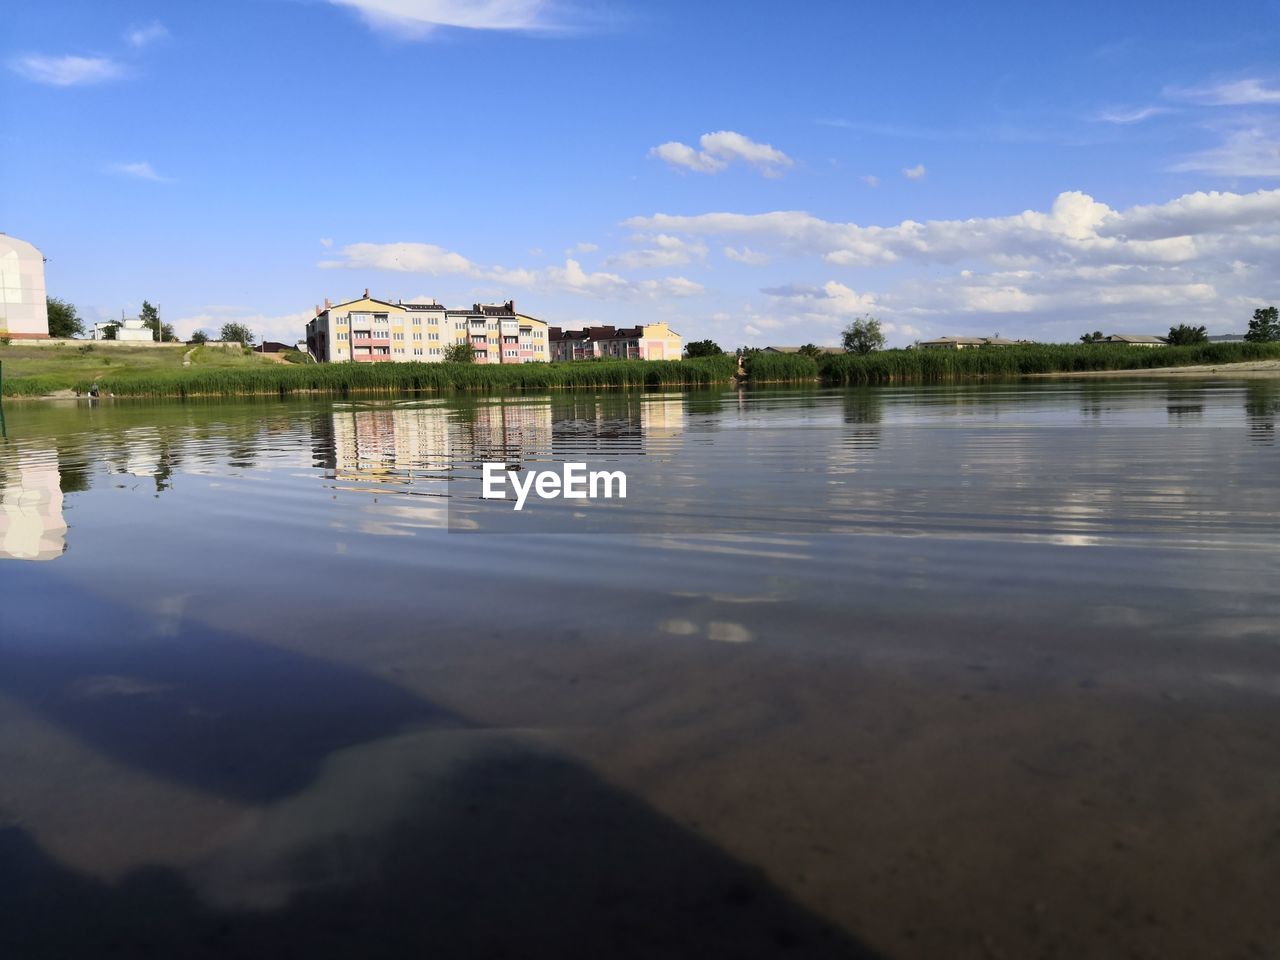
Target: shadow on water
point(506, 850)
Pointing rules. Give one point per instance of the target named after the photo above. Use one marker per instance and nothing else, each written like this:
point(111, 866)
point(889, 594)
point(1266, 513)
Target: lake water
point(987, 671)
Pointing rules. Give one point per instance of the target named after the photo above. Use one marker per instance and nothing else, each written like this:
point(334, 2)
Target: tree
point(109, 331)
point(1265, 325)
point(150, 318)
point(199, 337)
point(1095, 337)
point(63, 321)
point(863, 335)
point(1185, 335)
point(236, 333)
point(811, 350)
point(459, 353)
point(702, 348)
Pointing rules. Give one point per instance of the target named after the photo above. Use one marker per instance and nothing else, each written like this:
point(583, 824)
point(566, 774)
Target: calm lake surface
point(987, 671)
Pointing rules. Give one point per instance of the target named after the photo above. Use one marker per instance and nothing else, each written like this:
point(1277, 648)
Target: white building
point(24, 312)
point(132, 330)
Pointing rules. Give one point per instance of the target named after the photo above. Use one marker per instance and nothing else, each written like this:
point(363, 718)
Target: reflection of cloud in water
point(722, 631)
point(731, 545)
point(725, 597)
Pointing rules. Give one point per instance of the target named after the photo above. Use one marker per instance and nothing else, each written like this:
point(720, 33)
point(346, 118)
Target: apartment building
point(650, 341)
point(369, 330)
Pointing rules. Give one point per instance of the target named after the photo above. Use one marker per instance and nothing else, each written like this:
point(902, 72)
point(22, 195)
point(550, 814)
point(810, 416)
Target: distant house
point(650, 341)
point(1135, 340)
point(1226, 338)
point(969, 343)
point(132, 330)
point(273, 346)
point(797, 349)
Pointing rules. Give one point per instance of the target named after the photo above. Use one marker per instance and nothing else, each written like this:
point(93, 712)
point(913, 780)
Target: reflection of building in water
point(31, 523)
point(392, 443)
point(662, 418)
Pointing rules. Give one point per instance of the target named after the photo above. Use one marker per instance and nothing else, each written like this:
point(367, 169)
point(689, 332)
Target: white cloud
point(870, 179)
point(406, 257)
point(67, 71)
point(914, 173)
point(571, 278)
point(1130, 115)
point(831, 301)
point(326, 242)
point(419, 18)
point(582, 248)
point(666, 251)
point(140, 170)
point(720, 149)
point(746, 255)
point(1234, 93)
point(144, 36)
point(1251, 151)
point(285, 328)
point(1203, 256)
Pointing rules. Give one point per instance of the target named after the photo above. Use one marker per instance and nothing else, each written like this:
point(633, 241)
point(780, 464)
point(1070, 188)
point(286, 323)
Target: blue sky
point(754, 172)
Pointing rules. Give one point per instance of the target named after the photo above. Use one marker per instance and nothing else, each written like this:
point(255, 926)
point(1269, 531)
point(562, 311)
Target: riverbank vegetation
point(158, 371)
point(925, 366)
point(264, 378)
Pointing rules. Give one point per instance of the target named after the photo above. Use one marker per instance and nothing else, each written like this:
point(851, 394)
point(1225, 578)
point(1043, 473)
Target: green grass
point(781, 368)
point(158, 372)
point(207, 380)
point(925, 366)
point(39, 370)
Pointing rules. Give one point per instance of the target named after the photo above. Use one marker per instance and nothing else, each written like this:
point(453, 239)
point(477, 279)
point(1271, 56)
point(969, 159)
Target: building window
point(342, 335)
point(417, 351)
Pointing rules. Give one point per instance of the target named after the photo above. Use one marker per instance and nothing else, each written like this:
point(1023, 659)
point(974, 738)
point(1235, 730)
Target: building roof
point(968, 341)
point(601, 332)
point(507, 309)
point(797, 349)
point(1133, 338)
point(21, 247)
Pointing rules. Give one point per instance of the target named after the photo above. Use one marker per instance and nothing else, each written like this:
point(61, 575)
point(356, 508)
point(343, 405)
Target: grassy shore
point(41, 370)
point(252, 375)
point(937, 366)
point(158, 372)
